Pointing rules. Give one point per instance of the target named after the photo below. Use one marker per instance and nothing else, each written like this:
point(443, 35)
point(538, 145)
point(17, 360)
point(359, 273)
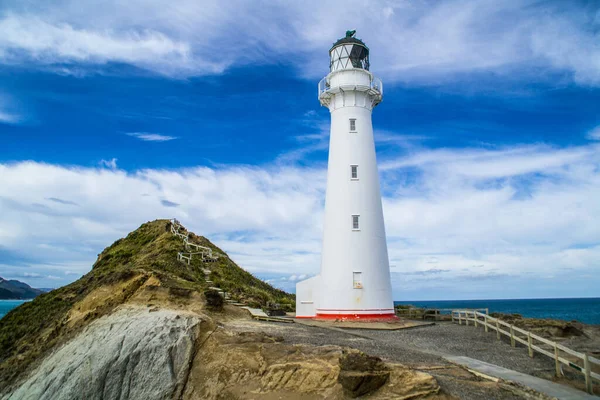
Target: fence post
point(588, 374)
point(556, 361)
point(485, 322)
point(487, 311)
point(459, 318)
point(497, 330)
point(475, 317)
point(452, 316)
point(529, 344)
point(467, 317)
point(512, 336)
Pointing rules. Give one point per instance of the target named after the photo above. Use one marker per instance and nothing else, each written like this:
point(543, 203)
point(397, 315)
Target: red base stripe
point(358, 317)
point(355, 309)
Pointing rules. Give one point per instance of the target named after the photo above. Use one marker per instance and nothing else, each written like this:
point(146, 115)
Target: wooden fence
point(434, 313)
point(553, 350)
point(206, 253)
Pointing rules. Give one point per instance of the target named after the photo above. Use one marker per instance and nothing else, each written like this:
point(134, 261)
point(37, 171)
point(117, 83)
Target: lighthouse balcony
point(332, 85)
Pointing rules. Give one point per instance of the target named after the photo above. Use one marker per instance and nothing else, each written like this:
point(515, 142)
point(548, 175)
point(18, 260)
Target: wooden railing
point(434, 313)
point(205, 252)
point(552, 350)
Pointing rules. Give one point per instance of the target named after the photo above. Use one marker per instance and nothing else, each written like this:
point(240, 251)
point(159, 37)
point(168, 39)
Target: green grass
point(240, 284)
point(30, 330)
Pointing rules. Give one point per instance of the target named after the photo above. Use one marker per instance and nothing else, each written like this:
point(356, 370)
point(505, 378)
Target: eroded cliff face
point(147, 258)
point(257, 366)
point(130, 354)
point(170, 352)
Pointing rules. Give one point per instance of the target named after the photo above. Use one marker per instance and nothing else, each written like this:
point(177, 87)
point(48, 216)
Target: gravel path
point(421, 348)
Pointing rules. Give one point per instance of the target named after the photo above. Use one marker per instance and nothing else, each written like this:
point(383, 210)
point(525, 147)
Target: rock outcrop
point(361, 374)
point(148, 254)
point(258, 366)
point(130, 354)
point(549, 328)
point(151, 353)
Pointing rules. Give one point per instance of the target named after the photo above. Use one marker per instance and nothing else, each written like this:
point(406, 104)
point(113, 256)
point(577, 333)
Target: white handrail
point(375, 84)
point(494, 324)
point(206, 252)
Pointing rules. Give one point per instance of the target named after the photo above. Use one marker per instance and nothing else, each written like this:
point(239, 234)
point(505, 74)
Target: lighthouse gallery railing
point(376, 85)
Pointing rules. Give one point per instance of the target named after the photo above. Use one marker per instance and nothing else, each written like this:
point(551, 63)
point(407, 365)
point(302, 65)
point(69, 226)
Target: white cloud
point(32, 39)
point(526, 213)
point(594, 134)
point(112, 163)
point(31, 275)
point(32, 278)
point(8, 113)
point(8, 118)
point(493, 163)
point(247, 210)
point(411, 41)
point(151, 137)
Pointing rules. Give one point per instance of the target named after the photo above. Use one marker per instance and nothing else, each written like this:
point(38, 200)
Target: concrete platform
point(381, 326)
point(552, 389)
point(260, 315)
point(255, 312)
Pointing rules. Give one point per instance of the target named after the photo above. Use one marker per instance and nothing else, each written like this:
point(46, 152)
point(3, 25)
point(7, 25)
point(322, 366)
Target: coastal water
point(7, 305)
point(586, 310)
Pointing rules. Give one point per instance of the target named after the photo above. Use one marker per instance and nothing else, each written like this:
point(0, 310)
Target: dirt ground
point(423, 349)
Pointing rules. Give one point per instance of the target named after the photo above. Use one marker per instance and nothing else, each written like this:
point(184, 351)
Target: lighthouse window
point(357, 280)
point(354, 172)
point(353, 125)
point(355, 225)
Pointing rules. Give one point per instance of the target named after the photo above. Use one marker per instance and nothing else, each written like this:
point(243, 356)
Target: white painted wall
point(345, 250)
point(305, 297)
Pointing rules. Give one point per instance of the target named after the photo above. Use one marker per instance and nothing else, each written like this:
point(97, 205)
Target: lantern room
point(349, 52)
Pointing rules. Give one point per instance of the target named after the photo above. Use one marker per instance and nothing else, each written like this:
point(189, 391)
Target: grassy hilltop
point(147, 255)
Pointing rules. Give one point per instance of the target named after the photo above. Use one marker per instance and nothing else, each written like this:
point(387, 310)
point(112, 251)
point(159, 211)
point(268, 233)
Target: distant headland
point(16, 290)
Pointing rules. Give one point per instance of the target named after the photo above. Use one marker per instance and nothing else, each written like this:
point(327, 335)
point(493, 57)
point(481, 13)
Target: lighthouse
point(354, 282)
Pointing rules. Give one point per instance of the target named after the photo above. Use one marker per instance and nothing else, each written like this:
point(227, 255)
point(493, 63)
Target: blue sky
point(488, 138)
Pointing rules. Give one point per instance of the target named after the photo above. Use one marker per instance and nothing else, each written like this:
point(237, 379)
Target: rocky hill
point(146, 258)
point(137, 326)
point(13, 289)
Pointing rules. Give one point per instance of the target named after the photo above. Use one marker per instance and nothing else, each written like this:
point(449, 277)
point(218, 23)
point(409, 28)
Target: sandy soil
point(422, 348)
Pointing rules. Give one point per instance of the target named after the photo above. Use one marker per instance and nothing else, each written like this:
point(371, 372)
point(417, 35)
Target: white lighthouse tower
point(354, 282)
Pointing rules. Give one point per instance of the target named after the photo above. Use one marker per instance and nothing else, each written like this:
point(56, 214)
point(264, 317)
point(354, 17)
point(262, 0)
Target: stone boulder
point(130, 354)
point(214, 300)
point(361, 374)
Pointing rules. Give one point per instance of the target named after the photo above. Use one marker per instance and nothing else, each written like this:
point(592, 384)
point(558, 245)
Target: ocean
point(586, 310)
point(7, 305)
